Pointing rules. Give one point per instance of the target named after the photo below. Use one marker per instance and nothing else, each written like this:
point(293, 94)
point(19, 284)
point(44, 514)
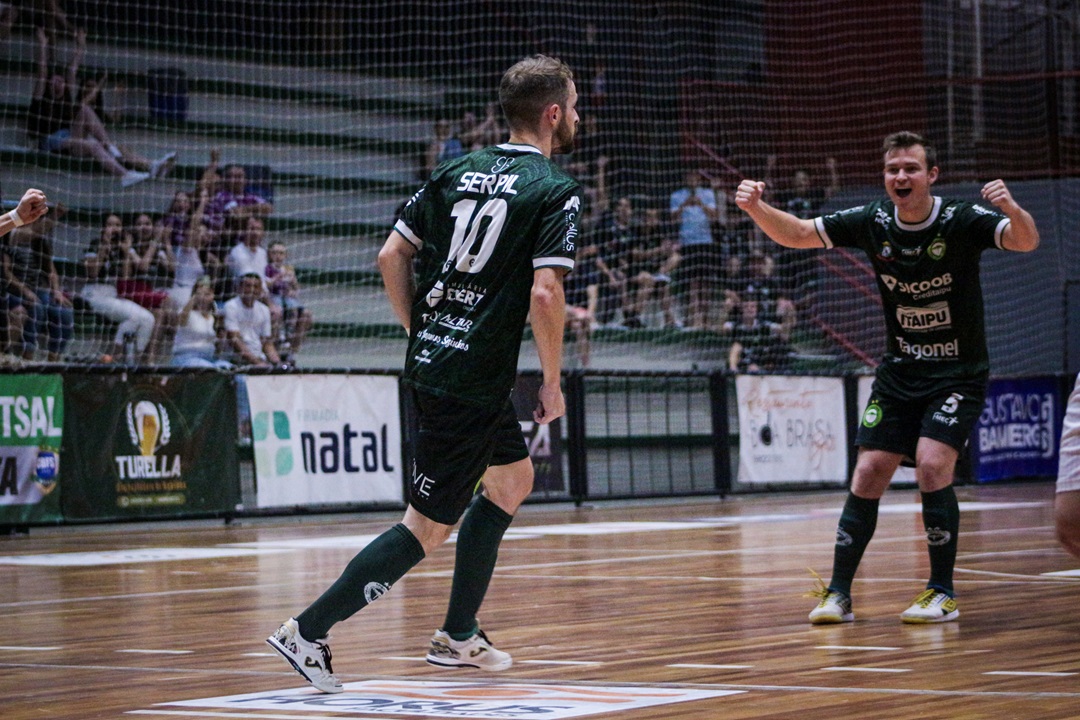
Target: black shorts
point(943, 409)
point(457, 442)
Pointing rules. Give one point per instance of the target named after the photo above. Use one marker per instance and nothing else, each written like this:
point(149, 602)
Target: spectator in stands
point(105, 261)
point(475, 134)
point(444, 145)
point(774, 307)
point(581, 289)
point(756, 346)
point(615, 236)
point(284, 292)
point(653, 259)
point(34, 286)
point(247, 325)
point(59, 123)
point(231, 206)
point(149, 272)
point(797, 270)
point(197, 330)
point(193, 261)
point(249, 256)
point(693, 210)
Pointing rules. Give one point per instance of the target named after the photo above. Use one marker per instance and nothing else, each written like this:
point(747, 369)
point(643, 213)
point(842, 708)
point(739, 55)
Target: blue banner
point(1018, 432)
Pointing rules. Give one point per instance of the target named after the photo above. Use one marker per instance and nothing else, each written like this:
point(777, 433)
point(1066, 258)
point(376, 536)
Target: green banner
point(149, 446)
point(31, 431)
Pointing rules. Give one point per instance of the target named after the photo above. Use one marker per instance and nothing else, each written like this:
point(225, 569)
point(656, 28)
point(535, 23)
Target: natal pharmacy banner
point(325, 439)
point(791, 429)
point(31, 430)
point(149, 445)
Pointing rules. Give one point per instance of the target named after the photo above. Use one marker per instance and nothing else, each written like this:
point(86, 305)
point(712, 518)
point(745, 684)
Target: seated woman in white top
point(196, 340)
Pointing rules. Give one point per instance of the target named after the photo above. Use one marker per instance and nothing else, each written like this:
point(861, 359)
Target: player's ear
point(932, 174)
point(553, 113)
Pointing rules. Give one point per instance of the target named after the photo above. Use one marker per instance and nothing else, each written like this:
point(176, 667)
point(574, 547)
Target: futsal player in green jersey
point(483, 246)
point(929, 388)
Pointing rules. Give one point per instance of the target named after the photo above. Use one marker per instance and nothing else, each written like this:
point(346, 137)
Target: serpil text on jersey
point(478, 182)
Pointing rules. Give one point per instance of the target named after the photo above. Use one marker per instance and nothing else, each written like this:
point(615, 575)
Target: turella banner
point(149, 446)
point(31, 431)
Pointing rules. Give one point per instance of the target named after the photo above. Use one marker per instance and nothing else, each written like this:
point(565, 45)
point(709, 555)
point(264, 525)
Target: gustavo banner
point(326, 439)
point(791, 429)
point(1018, 431)
point(31, 425)
point(149, 445)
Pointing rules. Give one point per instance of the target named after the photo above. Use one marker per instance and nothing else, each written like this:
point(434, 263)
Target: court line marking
point(587, 683)
point(141, 651)
point(853, 647)
point(254, 716)
point(558, 662)
point(18, 648)
point(866, 669)
point(696, 666)
point(1023, 673)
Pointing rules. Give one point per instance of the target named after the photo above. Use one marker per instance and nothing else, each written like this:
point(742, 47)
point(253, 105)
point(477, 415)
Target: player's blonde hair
point(530, 86)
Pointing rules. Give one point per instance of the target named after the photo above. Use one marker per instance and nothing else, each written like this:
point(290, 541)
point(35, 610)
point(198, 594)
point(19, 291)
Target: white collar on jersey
point(523, 148)
point(925, 223)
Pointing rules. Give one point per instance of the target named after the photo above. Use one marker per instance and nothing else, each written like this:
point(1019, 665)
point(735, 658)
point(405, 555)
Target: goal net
point(329, 115)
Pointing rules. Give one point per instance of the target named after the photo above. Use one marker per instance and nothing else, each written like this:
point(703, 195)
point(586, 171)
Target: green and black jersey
point(928, 276)
point(483, 224)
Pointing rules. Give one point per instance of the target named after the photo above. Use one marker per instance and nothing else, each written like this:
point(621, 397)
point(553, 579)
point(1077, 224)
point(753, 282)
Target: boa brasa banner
point(791, 429)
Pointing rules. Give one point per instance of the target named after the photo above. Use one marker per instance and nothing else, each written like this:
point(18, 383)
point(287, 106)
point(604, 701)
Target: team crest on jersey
point(872, 415)
point(936, 251)
point(886, 252)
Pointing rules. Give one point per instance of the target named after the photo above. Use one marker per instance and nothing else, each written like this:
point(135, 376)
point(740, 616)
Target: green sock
point(366, 578)
point(941, 518)
point(857, 524)
point(477, 550)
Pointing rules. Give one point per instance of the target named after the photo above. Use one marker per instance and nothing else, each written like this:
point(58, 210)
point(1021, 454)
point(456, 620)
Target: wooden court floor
point(662, 609)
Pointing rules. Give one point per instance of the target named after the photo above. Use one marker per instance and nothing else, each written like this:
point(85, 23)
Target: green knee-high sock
point(857, 524)
point(366, 578)
point(941, 518)
point(477, 550)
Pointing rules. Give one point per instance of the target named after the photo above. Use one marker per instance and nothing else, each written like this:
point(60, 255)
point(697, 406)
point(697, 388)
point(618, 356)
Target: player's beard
point(564, 136)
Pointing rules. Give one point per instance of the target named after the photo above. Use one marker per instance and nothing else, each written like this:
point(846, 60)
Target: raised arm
point(41, 52)
point(782, 227)
point(76, 60)
point(29, 210)
point(1020, 235)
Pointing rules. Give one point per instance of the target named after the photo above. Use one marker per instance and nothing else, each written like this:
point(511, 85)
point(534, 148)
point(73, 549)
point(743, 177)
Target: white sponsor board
point(458, 700)
point(791, 429)
point(325, 439)
point(903, 475)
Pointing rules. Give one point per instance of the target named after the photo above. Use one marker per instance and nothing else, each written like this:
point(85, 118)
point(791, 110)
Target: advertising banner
point(544, 441)
point(791, 429)
point(1018, 432)
point(903, 475)
point(149, 446)
point(325, 439)
point(31, 434)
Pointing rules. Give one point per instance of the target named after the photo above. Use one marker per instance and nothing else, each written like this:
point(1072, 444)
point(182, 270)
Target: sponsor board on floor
point(458, 700)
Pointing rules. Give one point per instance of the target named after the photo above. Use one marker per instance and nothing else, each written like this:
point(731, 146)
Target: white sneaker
point(310, 659)
point(163, 165)
point(834, 607)
point(476, 652)
point(931, 606)
point(131, 177)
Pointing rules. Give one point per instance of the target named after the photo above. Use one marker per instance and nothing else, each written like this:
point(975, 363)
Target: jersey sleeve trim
point(408, 234)
point(999, 233)
point(553, 261)
point(819, 225)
